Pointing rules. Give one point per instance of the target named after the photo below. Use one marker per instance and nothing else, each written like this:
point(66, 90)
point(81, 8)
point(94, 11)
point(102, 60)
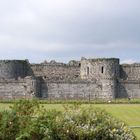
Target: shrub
point(89, 124)
point(27, 121)
point(9, 125)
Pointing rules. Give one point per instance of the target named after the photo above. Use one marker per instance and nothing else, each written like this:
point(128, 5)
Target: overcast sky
point(41, 30)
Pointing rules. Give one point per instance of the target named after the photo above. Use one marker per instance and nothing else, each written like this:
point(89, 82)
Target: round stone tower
point(104, 71)
point(12, 69)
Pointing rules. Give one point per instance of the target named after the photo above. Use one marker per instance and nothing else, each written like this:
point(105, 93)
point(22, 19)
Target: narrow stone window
point(32, 83)
point(87, 70)
point(102, 69)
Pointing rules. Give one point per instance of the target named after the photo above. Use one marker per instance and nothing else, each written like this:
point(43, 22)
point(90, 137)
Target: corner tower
point(104, 71)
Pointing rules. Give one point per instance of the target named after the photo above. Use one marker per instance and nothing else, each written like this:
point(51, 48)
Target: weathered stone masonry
point(86, 79)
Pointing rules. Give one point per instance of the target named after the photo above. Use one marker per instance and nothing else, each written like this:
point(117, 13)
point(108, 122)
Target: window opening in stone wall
point(102, 69)
point(139, 82)
point(87, 70)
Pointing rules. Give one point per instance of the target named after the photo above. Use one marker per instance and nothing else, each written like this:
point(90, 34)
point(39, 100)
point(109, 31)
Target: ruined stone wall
point(128, 89)
point(104, 71)
point(109, 88)
point(12, 69)
point(130, 71)
point(86, 79)
point(100, 68)
point(56, 72)
point(97, 78)
point(129, 82)
point(16, 89)
point(60, 90)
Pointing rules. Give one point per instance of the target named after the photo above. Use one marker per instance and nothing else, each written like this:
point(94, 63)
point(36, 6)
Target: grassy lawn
point(129, 113)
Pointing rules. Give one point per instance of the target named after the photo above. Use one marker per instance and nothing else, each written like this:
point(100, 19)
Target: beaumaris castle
point(103, 78)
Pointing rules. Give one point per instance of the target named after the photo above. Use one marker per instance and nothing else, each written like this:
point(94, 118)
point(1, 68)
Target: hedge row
point(95, 101)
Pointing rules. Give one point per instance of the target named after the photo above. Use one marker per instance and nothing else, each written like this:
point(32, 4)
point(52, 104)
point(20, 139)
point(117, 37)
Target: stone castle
point(102, 78)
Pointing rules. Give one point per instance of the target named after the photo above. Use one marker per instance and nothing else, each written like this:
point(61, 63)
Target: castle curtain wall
point(129, 82)
point(86, 79)
point(56, 72)
point(73, 90)
point(128, 89)
point(16, 89)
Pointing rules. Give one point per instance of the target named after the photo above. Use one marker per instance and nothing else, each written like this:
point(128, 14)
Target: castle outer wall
point(102, 78)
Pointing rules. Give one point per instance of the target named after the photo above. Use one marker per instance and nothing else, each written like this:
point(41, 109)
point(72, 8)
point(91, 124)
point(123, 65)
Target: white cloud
point(128, 61)
point(69, 28)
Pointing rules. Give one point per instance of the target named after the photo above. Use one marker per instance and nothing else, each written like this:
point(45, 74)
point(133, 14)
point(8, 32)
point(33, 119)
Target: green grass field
point(129, 113)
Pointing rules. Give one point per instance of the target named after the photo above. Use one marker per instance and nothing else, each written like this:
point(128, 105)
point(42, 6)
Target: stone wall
point(103, 71)
point(51, 72)
point(86, 79)
point(109, 88)
point(16, 89)
point(100, 68)
point(129, 88)
point(12, 69)
point(60, 90)
point(130, 71)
